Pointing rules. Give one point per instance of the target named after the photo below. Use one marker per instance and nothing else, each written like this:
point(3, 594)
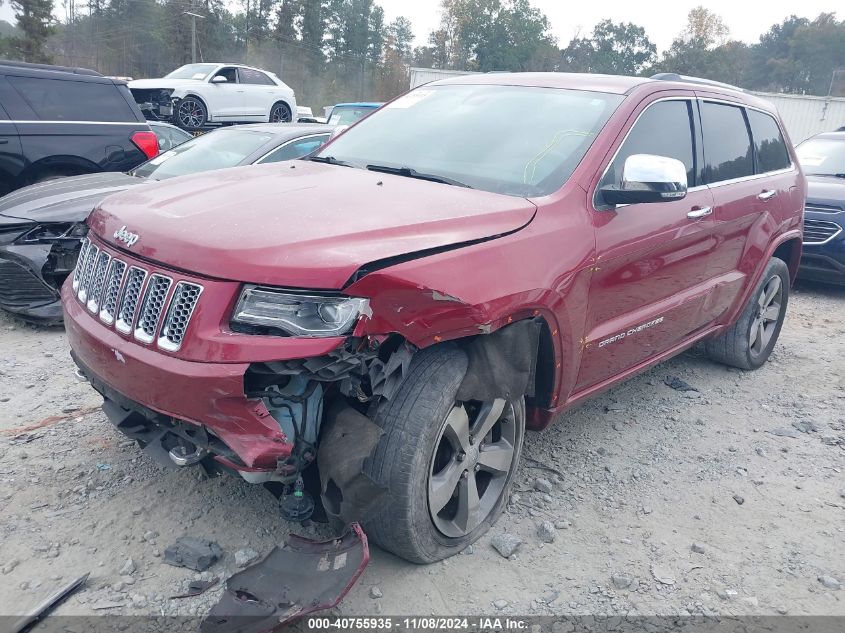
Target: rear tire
point(280, 113)
point(420, 461)
point(748, 343)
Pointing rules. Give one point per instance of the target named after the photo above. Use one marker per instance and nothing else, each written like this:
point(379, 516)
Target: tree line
point(336, 50)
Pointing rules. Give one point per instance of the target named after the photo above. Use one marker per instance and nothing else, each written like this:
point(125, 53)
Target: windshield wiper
point(831, 175)
point(410, 172)
point(330, 160)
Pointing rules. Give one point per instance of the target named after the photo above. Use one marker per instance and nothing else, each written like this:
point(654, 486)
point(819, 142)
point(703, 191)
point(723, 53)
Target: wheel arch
point(209, 116)
point(790, 252)
point(787, 244)
point(283, 101)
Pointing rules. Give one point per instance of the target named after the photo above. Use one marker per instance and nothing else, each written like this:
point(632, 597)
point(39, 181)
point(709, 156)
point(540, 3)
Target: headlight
point(54, 231)
point(298, 314)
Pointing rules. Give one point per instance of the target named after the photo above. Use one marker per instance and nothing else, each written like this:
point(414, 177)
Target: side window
point(727, 146)
point(67, 100)
point(231, 74)
point(250, 76)
point(295, 149)
point(664, 129)
point(768, 141)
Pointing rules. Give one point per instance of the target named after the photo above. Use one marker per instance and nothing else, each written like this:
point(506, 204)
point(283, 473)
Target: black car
point(42, 226)
point(57, 121)
point(823, 159)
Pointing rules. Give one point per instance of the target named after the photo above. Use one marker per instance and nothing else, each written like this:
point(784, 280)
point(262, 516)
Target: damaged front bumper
point(155, 104)
point(219, 409)
point(31, 275)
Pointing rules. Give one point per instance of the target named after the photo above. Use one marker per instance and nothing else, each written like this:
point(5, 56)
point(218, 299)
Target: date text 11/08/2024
point(387, 623)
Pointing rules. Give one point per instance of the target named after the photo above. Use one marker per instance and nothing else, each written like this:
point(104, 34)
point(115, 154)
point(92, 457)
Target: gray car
point(42, 226)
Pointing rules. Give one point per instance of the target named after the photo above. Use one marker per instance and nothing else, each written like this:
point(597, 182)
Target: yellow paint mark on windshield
point(531, 166)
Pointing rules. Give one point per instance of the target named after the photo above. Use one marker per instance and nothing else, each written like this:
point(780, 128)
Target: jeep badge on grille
point(127, 237)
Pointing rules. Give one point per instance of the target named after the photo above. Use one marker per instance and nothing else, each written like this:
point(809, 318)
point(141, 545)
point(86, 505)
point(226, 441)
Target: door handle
point(3, 141)
point(701, 212)
point(767, 195)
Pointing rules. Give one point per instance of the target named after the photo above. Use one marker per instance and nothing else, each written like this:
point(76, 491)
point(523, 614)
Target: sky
point(746, 19)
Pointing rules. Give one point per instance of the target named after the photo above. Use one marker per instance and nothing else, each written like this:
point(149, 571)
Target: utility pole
point(194, 17)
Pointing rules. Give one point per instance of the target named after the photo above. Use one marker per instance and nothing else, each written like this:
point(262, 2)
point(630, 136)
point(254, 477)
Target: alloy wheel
point(280, 114)
point(473, 457)
point(190, 114)
point(765, 321)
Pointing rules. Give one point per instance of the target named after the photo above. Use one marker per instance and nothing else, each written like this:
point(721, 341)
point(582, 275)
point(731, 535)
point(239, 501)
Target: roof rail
point(694, 80)
point(62, 69)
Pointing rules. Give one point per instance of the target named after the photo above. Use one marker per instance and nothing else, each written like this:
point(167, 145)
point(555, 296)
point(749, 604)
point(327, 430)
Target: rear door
point(648, 284)
point(259, 93)
point(747, 167)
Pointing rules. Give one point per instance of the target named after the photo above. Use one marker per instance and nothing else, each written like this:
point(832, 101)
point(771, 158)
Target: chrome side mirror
point(648, 178)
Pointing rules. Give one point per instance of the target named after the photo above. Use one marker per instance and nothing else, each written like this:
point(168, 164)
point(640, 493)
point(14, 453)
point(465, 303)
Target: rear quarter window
point(768, 141)
point(727, 145)
point(69, 100)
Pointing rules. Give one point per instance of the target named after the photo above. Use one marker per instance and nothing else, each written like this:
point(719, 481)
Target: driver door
point(649, 282)
point(226, 99)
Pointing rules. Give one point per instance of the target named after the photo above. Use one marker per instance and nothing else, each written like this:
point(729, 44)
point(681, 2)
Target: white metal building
point(803, 115)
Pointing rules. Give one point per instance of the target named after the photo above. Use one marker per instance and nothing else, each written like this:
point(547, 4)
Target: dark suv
point(57, 121)
point(399, 308)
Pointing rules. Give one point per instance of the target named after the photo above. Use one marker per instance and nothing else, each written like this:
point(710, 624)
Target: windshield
point(515, 140)
point(820, 156)
point(347, 115)
point(215, 150)
point(192, 71)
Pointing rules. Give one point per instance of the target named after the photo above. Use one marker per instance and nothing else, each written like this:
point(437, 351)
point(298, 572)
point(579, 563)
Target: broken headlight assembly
point(52, 232)
point(269, 310)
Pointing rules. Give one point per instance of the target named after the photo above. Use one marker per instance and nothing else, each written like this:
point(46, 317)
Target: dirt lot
point(728, 500)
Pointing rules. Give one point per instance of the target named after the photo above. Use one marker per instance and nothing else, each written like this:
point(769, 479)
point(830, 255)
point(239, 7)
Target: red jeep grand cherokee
point(476, 257)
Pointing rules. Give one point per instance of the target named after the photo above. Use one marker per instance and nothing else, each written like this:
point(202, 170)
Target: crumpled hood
point(828, 190)
point(300, 224)
point(153, 84)
point(68, 199)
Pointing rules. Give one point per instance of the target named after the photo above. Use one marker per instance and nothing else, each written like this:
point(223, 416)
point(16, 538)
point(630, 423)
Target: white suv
point(197, 94)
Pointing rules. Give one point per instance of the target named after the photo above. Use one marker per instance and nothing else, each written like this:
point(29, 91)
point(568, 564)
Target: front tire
point(191, 114)
point(280, 113)
point(748, 343)
point(448, 466)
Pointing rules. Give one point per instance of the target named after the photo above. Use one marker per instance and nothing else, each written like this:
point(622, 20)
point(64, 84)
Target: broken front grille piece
point(134, 301)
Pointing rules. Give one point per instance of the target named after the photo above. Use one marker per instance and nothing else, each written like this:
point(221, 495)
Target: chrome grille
point(87, 272)
point(820, 231)
point(111, 291)
point(182, 305)
point(80, 263)
point(152, 308)
point(98, 280)
point(129, 299)
point(134, 300)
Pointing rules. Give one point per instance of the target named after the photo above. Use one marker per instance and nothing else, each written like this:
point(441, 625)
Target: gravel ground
point(727, 500)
